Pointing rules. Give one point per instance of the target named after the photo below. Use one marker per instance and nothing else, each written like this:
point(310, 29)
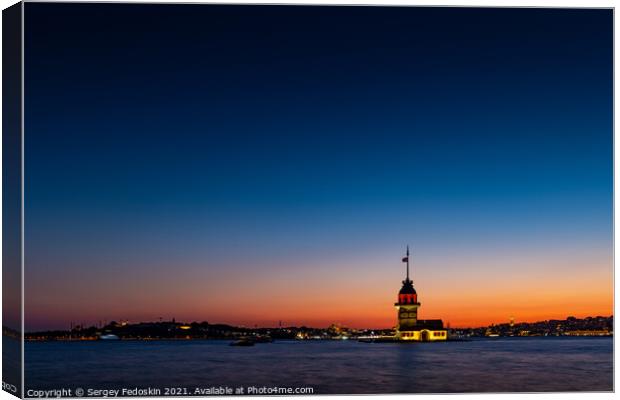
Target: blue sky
point(166, 141)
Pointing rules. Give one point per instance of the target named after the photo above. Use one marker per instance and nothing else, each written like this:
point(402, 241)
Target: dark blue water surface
point(486, 365)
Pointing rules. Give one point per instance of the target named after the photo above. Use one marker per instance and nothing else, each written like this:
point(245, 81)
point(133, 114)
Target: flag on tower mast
point(406, 260)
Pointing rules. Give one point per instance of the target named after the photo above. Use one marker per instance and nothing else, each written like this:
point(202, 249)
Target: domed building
point(409, 327)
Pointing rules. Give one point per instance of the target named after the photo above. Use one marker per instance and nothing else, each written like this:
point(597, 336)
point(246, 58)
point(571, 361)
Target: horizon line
point(173, 320)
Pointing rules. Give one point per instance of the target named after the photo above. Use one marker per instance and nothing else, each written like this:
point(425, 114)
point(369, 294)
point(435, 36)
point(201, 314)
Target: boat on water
point(243, 342)
point(263, 339)
point(377, 339)
point(109, 337)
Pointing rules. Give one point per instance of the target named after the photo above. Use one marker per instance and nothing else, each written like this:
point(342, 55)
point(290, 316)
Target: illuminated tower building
point(407, 305)
point(409, 327)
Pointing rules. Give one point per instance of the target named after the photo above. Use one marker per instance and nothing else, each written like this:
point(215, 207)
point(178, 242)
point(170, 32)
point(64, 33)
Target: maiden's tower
point(408, 326)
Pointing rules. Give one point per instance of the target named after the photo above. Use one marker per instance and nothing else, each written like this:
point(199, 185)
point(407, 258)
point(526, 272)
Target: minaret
point(407, 305)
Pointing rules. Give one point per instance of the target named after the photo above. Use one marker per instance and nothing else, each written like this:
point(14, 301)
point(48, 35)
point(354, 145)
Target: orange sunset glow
point(356, 293)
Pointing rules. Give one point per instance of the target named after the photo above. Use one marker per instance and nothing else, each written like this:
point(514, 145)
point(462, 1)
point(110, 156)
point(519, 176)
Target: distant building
point(409, 327)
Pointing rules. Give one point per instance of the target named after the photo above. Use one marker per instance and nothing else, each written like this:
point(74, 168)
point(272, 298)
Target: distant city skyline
point(593, 325)
point(251, 164)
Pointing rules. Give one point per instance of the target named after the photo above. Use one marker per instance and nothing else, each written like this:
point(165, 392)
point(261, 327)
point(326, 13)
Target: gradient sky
point(250, 164)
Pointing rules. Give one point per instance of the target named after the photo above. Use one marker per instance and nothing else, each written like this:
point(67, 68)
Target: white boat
point(109, 337)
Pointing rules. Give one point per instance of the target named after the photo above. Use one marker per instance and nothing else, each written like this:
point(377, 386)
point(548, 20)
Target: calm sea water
point(329, 367)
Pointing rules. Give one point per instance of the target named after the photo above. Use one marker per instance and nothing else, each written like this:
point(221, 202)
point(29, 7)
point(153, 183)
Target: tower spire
point(407, 262)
